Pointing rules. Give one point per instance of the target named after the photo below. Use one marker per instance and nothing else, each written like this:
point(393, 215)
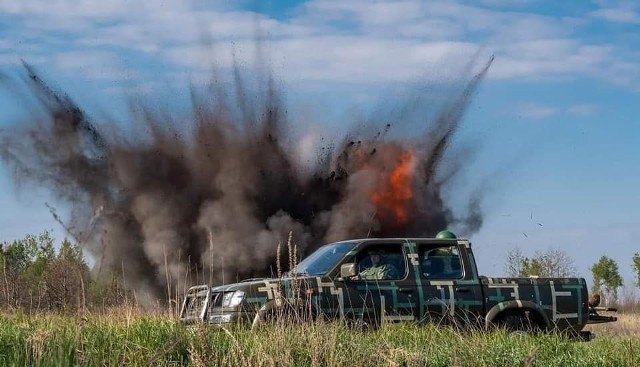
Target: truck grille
point(195, 303)
point(194, 306)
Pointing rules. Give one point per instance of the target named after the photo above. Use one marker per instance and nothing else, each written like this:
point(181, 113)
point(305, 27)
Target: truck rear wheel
point(363, 324)
point(519, 324)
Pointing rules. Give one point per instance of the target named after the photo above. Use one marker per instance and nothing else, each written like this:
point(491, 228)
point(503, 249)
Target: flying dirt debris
point(213, 196)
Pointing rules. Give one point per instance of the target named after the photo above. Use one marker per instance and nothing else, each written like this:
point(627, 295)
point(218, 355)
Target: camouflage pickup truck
point(375, 281)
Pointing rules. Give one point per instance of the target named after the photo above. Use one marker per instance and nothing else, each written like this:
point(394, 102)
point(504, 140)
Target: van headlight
point(232, 299)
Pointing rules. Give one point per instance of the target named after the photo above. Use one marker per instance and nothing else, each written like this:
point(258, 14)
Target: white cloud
point(134, 90)
point(535, 111)
point(553, 57)
point(508, 2)
point(14, 60)
point(92, 65)
point(582, 109)
point(617, 15)
point(350, 40)
point(71, 9)
point(340, 58)
point(5, 44)
point(437, 19)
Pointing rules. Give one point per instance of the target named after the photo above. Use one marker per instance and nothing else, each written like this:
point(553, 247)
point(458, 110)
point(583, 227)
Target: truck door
point(451, 291)
point(382, 291)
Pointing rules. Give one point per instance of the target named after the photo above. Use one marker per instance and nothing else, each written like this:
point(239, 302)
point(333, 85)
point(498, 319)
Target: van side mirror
point(348, 270)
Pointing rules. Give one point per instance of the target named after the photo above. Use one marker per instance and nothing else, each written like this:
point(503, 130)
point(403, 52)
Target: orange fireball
point(394, 193)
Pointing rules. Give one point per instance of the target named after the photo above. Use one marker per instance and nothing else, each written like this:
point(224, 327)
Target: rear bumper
point(599, 319)
point(596, 318)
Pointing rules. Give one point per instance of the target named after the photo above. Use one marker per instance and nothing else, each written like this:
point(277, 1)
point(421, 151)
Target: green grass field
point(132, 338)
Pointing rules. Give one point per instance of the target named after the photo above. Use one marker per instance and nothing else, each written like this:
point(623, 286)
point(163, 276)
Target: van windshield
point(324, 258)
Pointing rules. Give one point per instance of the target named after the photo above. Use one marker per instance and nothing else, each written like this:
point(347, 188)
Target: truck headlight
point(232, 299)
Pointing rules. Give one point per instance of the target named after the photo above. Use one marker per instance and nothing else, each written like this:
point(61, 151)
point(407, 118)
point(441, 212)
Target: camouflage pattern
point(419, 295)
point(382, 271)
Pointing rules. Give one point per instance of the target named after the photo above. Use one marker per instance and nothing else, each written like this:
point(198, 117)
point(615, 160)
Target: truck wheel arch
point(261, 314)
point(504, 308)
point(274, 310)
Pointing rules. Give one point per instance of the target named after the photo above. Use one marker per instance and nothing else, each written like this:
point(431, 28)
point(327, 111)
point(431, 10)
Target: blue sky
point(556, 116)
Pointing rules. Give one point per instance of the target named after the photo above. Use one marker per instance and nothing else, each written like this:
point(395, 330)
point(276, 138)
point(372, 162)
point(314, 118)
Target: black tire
point(518, 324)
point(363, 324)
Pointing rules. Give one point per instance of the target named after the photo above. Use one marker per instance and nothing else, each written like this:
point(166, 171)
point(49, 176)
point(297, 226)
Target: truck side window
point(440, 262)
point(381, 262)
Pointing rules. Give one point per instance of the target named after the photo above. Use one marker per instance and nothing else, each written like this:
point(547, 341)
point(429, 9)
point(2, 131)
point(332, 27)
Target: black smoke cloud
point(163, 200)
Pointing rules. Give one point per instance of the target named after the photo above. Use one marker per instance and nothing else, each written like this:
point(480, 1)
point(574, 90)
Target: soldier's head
point(375, 255)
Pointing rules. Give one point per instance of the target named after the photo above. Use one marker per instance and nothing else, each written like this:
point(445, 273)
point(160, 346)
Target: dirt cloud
point(163, 200)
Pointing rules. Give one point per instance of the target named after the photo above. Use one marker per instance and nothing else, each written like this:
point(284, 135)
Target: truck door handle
point(463, 290)
point(405, 290)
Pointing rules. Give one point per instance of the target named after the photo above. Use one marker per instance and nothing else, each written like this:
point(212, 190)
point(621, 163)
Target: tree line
point(555, 263)
point(40, 277)
point(37, 276)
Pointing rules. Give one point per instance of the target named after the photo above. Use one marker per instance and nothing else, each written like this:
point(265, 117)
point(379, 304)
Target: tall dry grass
point(129, 336)
point(628, 325)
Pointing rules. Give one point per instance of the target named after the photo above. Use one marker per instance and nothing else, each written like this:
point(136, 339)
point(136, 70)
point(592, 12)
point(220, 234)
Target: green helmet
point(442, 235)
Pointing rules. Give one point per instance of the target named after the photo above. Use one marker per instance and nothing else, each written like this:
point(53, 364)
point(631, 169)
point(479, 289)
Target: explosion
point(395, 192)
point(211, 198)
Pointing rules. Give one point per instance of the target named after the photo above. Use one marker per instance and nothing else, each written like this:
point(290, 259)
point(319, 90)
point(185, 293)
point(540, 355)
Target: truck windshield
point(324, 258)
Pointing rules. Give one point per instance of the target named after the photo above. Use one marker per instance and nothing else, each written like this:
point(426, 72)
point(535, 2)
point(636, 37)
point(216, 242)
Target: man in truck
point(377, 268)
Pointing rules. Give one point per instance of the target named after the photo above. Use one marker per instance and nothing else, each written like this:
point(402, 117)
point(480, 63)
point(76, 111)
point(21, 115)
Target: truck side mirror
point(348, 270)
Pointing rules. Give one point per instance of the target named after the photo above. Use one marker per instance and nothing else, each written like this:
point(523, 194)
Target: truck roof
point(422, 239)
